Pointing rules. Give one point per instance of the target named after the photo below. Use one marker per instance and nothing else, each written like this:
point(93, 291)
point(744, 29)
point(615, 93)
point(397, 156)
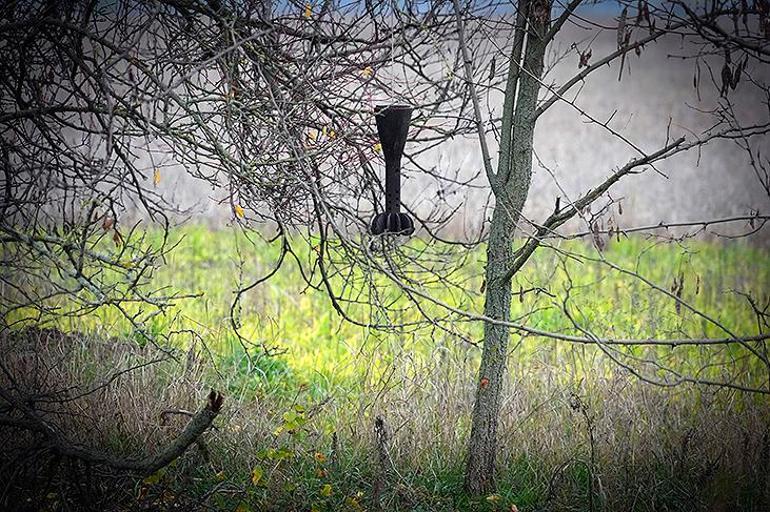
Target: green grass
point(324, 350)
point(654, 448)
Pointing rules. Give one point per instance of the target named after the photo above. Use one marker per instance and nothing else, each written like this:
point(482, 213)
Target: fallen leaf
point(239, 210)
point(156, 177)
point(326, 490)
point(256, 475)
point(153, 478)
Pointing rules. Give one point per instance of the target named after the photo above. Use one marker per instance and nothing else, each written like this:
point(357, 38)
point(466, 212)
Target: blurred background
point(655, 98)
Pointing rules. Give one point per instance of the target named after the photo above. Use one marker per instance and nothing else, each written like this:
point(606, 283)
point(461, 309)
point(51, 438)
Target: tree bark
point(513, 180)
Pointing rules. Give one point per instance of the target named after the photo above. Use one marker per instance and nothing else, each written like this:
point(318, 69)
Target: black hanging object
point(392, 128)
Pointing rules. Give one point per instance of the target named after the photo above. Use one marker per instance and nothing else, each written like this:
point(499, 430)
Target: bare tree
point(101, 102)
point(527, 96)
point(273, 106)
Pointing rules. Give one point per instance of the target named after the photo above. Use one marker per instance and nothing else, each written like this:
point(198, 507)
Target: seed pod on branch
point(745, 13)
point(584, 58)
point(624, 45)
point(727, 78)
point(622, 27)
point(736, 76)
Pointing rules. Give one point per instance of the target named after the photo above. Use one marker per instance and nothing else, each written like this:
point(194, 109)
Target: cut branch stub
point(392, 128)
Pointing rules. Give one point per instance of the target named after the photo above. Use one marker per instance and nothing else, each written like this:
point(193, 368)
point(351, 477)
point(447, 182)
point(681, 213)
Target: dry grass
point(601, 441)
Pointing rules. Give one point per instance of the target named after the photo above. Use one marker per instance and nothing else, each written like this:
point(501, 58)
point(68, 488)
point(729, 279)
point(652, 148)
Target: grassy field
point(323, 350)
point(577, 431)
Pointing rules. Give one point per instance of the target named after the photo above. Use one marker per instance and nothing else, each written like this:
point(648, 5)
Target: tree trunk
point(513, 180)
point(479, 477)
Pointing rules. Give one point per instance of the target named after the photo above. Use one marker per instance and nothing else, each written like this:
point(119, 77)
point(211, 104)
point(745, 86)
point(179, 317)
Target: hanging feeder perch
point(392, 128)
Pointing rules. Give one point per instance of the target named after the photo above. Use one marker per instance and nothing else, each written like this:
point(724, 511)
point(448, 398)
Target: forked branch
point(148, 465)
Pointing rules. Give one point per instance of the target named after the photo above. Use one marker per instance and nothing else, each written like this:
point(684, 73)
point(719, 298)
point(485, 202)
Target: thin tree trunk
point(513, 180)
point(479, 477)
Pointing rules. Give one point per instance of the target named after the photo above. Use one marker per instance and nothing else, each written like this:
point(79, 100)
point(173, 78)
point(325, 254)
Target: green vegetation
point(325, 351)
point(577, 431)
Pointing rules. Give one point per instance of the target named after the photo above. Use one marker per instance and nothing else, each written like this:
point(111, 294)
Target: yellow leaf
point(308, 11)
point(377, 148)
point(493, 498)
point(332, 134)
point(367, 72)
point(256, 475)
point(156, 177)
point(320, 457)
point(326, 490)
point(153, 478)
point(239, 210)
point(312, 134)
point(352, 503)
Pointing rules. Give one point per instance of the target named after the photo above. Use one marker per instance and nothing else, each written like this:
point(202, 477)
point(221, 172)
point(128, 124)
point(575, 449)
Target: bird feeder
point(392, 129)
